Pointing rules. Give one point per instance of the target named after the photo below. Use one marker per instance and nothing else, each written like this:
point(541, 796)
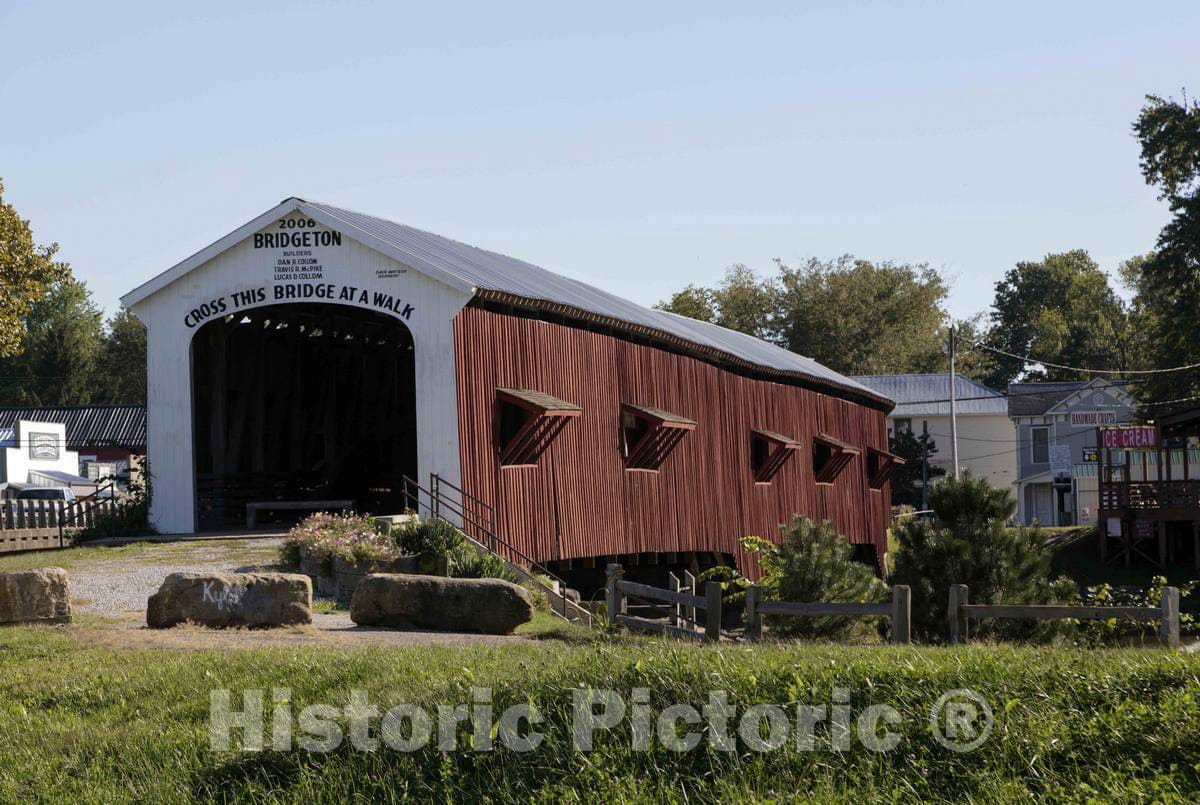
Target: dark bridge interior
point(302, 402)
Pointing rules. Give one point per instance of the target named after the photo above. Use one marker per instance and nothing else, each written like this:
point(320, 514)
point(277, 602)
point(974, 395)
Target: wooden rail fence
point(898, 611)
point(683, 604)
point(29, 525)
point(960, 611)
point(617, 595)
point(679, 612)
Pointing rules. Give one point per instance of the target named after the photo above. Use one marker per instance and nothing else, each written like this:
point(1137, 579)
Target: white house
point(36, 454)
point(986, 435)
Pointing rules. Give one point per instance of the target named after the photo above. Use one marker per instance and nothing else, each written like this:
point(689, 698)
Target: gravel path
point(121, 586)
point(118, 588)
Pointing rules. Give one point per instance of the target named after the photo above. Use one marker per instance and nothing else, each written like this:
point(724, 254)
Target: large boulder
point(491, 606)
point(35, 596)
point(221, 600)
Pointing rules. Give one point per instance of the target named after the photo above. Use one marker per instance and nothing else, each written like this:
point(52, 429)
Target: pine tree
point(970, 543)
point(814, 563)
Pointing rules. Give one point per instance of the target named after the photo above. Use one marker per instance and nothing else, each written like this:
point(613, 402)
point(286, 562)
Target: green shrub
point(969, 543)
point(467, 563)
point(430, 537)
point(289, 555)
point(1094, 632)
point(814, 563)
point(129, 517)
point(541, 601)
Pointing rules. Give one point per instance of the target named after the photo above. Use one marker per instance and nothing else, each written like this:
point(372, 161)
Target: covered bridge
point(318, 353)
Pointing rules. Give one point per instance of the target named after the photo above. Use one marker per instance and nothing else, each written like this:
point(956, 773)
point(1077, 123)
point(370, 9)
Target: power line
point(1030, 359)
point(1046, 395)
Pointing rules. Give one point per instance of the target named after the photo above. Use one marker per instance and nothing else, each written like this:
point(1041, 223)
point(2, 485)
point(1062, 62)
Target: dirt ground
point(333, 630)
point(110, 586)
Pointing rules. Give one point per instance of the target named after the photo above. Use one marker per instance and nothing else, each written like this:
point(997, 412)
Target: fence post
point(1168, 633)
point(689, 584)
point(612, 595)
point(712, 611)
point(753, 619)
point(901, 614)
point(675, 608)
point(958, 621)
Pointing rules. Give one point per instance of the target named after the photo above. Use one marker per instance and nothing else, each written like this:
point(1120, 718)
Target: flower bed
point(324, 543)
point(338, 550)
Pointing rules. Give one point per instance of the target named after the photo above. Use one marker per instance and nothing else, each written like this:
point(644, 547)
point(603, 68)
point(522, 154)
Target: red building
point(651, 448)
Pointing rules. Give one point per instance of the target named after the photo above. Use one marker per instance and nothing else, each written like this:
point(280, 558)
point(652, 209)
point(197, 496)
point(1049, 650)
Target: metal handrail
point(436, 482)
point(494, 539)
point(433, 476)
point(96, 502)
point(560, 593)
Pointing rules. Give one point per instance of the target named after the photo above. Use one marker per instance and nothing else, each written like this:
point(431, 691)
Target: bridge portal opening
point(301, 402)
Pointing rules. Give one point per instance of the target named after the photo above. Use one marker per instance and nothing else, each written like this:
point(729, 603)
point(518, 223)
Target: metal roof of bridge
point(490, 276)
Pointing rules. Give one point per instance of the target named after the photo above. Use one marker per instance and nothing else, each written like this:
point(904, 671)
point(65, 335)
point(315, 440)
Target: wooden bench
point(252, 509)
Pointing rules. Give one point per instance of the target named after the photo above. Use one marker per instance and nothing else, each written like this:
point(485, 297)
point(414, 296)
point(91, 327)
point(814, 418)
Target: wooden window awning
point(528, 422)
point(650, 434)
point(880, 466)
point(539, 402)
point(769, 452)
point(830, 457)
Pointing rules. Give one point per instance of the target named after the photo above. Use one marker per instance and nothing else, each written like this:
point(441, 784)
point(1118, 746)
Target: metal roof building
point(88, 426)
point(919, 395)
point(1035, 399)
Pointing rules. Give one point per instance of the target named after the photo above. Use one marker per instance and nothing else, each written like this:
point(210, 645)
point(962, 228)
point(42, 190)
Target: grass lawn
point(89, 724)
point(231, 550)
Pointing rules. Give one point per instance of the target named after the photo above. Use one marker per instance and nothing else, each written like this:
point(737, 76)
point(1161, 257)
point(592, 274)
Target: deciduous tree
point(1168, 281)
point(58, 361)
point(854, 316)
point(859, 317)
point(26, 270)
point(122, 361)
point(742, 301)
point(1059, 309)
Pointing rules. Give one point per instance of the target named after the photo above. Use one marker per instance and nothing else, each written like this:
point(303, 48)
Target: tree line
point(863, 317)
point(55, 346)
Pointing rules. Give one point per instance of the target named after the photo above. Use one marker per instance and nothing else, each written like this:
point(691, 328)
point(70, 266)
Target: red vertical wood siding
point(581, 501)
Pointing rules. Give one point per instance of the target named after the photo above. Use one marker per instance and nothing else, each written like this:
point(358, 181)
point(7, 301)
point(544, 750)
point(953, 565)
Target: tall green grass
point(88, 725)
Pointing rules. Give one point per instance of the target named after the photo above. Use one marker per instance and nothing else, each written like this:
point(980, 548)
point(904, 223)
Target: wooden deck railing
point(1149, 495)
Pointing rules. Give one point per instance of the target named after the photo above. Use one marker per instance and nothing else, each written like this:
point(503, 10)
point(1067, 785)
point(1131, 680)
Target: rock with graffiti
point(223, 600)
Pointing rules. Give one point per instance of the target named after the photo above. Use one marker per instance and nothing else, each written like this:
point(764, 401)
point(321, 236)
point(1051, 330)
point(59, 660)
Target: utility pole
point(925, 466)
point(953, 416)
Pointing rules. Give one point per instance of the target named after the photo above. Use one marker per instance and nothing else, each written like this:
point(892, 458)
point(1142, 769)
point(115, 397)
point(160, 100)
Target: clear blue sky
point(639, 147)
